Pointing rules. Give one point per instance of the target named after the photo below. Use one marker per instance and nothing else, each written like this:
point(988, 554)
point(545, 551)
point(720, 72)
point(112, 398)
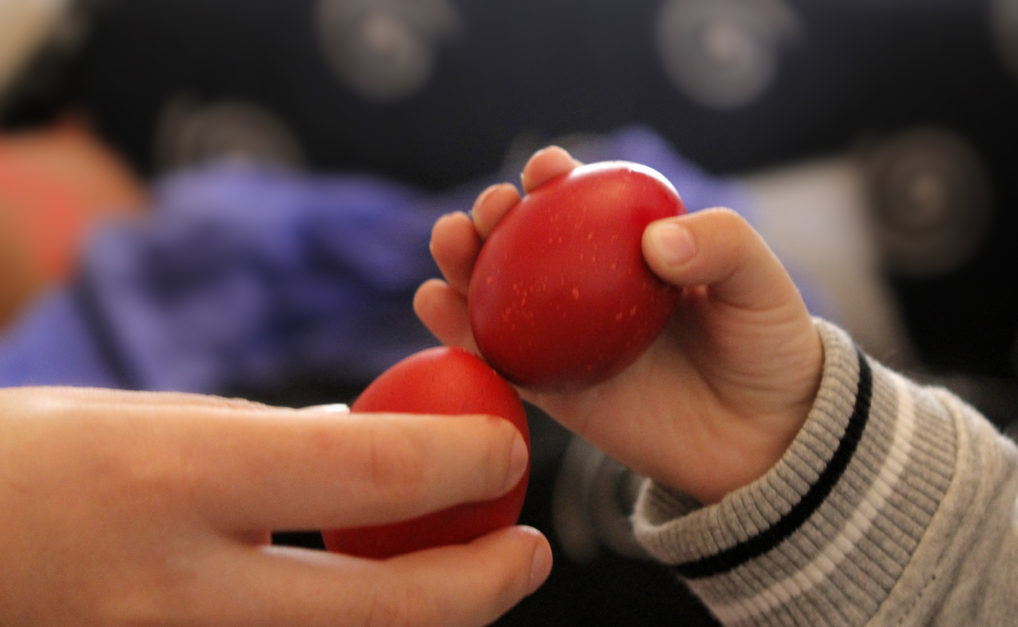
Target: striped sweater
point(894, 505)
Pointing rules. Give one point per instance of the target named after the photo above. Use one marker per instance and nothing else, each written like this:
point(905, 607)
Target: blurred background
point(235, 196)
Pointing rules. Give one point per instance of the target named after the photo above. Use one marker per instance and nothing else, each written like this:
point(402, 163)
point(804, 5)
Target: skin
point(124, 508)
point(718, 397)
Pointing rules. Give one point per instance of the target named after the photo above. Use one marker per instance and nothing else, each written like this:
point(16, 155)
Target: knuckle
point(395, 464)
point(730, 219)
point(402, 607)
point(497, 466)
point(168, 592)
point(91, 444)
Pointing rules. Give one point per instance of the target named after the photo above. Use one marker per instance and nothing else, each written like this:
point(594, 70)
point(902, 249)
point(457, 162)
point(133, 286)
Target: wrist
point(743, 449)
point(752, 441)
point(853, 494)
point(664, 516)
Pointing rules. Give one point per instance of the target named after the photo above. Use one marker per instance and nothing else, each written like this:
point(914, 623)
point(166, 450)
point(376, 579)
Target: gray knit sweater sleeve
point(895, 505)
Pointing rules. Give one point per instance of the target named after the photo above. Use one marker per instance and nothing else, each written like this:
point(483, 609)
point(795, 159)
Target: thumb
point(719, 249)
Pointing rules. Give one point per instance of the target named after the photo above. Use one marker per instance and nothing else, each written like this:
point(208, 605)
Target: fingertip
point(491, 205)
point(480, 581)
point(454, 246)
point(443, 310)
point(541, 561)
point(668, 244)
point(551, 151)
point(545, 165)
point(328, 408)
point(529, 542)
point(720, 249)
point(429, 300)
point(485, 196)
point(448, 224)
point(519, 461)
point(425, 294)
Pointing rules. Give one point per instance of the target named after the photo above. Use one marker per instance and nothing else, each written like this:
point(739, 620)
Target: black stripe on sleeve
point(753, 547)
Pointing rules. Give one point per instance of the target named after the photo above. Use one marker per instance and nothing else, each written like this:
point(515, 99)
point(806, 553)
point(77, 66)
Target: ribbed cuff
point(826, 533)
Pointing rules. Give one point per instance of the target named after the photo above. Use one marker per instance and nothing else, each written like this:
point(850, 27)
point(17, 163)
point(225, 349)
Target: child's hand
point(715, 401)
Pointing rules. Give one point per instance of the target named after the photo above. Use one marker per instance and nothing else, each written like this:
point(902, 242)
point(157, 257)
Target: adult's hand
point(121, 507)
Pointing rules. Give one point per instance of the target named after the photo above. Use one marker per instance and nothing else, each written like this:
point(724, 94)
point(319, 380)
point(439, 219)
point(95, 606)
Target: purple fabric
point(52, 345)
point(245, 276)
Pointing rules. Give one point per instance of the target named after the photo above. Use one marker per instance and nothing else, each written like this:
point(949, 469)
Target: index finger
point(312, 470)
point(242, 466)
point(545, 165)
point(495, 201)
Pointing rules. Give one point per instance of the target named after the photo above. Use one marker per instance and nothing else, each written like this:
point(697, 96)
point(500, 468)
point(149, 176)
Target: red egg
point(438, 381)
point(561, 296)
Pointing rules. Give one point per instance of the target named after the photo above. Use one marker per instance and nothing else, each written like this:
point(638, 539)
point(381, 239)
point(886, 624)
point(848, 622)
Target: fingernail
point(519, 457)
point(336, 408)
point(672, 242)
point(484, 196)
point(447, 215)
point(540, 567)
